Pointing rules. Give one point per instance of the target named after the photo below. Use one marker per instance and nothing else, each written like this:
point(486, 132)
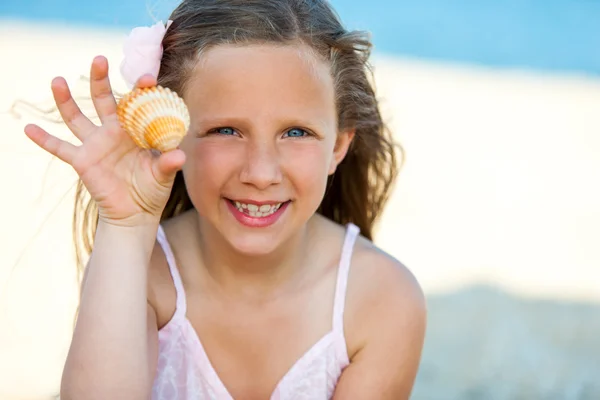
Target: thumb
point(166, 166)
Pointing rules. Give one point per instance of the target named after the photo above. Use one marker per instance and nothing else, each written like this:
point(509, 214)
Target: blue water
point(550, 35)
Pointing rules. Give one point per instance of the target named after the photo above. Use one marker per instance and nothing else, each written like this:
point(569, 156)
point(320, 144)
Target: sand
point(500, 188)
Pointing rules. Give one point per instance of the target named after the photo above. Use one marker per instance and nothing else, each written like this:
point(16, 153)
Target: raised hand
point(130, 185)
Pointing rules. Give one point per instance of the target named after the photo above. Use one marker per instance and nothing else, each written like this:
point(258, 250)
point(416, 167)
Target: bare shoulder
point(381, 286)
point(161, 288)
point(381, 270)
point(382, 289)
point(385, 323)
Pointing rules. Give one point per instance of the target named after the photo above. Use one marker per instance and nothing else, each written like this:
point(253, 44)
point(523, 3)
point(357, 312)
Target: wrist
point(142, 235)
point(136, 222)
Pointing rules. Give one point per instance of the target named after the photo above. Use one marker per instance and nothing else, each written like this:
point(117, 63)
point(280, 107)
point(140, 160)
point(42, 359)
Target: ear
point(342, 143)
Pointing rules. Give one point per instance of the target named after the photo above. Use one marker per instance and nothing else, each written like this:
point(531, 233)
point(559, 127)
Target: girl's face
point(262, 141)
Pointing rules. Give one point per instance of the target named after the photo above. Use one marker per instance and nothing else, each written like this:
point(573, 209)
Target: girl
point(232, 267)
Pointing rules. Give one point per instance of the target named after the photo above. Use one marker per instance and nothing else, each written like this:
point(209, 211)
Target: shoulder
point(161, 294)
point(385, 322)
point(175, 230)
point(383, 293)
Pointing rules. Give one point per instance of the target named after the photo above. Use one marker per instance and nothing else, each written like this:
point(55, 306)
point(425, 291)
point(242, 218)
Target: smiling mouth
point(255, 210)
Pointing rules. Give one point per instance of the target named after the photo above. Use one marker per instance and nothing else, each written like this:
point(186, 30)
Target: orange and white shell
point(155, 118)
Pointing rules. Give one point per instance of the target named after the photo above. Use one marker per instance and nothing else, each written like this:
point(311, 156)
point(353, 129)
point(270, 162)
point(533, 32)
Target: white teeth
point(256, 211)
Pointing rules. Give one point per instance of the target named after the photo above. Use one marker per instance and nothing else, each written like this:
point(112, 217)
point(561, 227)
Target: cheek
point(210, 164)
point(306, 163)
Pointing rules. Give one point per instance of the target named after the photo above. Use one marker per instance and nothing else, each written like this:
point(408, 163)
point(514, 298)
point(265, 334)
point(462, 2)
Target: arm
point(393, 314)
point(113, 350)
point(114, 347)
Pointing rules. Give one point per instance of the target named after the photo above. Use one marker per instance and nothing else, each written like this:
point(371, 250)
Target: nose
point(262, 165)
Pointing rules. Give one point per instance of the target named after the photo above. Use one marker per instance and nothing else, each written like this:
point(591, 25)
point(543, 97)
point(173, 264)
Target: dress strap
point(180, 305)
point(352, 232)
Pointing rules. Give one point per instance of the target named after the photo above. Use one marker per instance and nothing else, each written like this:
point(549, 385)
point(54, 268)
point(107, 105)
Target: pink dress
point(184, 371)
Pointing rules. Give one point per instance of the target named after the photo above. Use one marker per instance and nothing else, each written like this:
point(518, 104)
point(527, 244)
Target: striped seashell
point(155, 118)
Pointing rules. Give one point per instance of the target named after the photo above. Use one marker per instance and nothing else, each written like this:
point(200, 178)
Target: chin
point(254, 244)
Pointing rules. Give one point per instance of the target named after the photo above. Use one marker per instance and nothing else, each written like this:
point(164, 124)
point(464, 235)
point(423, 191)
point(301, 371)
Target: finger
point(70, 112)
point(102, 95)
point(166, 166)
point(147, 80)
point(53, 145)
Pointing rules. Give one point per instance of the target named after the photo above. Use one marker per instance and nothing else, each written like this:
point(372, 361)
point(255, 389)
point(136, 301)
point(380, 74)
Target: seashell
point(155, 117)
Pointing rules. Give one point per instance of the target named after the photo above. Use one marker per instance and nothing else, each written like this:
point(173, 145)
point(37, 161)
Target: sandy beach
point(496, 212)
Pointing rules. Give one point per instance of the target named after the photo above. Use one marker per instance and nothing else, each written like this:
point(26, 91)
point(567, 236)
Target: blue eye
point(225, 131)
point(296, 132)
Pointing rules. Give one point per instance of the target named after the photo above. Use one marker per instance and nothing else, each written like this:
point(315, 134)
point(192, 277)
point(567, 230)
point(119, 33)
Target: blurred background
point(496, 211)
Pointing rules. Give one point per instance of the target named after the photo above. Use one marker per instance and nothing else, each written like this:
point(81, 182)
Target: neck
point(258, 277)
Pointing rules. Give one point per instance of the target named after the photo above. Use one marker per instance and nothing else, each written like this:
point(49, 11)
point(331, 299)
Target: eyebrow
point(317, 125)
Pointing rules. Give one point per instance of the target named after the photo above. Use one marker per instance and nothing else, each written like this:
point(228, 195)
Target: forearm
point(109, 355)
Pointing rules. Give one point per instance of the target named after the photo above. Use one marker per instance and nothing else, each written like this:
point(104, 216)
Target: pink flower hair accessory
point(143, 52)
